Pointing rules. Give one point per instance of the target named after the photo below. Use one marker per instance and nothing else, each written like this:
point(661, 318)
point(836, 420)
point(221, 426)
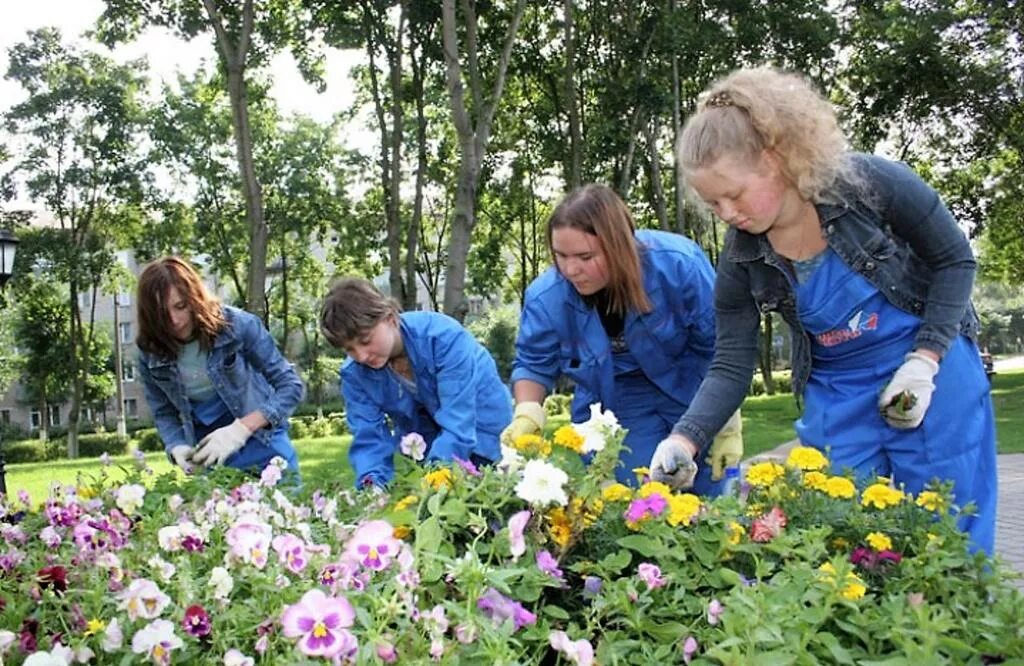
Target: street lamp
point(8, 243)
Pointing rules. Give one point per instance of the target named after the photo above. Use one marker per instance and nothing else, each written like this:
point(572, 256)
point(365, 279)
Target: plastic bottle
point(731, 482)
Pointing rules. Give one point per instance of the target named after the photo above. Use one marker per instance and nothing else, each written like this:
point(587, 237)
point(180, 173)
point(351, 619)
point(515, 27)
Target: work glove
point(905, 400)
point(727, 447)
point(182, 457)
point(528, 419)
point(218, 446)
point(672, 463)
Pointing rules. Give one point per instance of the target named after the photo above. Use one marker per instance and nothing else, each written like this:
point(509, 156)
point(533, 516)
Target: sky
point(168, 54)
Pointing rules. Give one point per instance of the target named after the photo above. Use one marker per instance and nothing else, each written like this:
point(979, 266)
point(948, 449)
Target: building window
point(131, 408)
point(34, 421)
point(124, 299)
point(54, 414)
point(126, 331)
point(127, 371)
point(5, 416)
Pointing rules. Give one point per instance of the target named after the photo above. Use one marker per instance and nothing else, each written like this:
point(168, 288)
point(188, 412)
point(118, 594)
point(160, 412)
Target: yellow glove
point(727, 447)
point(528, 419)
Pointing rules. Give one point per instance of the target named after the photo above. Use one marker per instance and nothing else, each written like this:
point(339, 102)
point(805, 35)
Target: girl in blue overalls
point(411, 373)
point(628, 316)
point(219, 389)
point(872, 274)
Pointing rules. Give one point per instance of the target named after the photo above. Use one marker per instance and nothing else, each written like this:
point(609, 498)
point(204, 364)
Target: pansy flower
point(373, 545)
point(319, 622)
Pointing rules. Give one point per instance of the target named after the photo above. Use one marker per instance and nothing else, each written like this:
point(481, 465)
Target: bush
point(298, 428)
point(33, 450)
point(148, 439)
point(783, 383)
point(95, 445)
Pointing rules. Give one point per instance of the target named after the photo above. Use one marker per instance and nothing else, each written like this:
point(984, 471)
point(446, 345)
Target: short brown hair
point(597, 210)
point(156, 280)
point(352, 307)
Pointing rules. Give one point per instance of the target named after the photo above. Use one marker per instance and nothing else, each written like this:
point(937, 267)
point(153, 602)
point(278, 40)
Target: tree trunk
point(415, 223)
point(574, 177)
point(654, 164)
point(473, 134)
point(233, 57)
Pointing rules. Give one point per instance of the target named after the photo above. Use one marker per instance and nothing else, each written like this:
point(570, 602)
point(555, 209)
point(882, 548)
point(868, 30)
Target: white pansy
point(221, 582)
point(129, 497)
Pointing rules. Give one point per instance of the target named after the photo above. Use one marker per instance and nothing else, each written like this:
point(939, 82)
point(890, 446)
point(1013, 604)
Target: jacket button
point(870, 265)
point(830, 229)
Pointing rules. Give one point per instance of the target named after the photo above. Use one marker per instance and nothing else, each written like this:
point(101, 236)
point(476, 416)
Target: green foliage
point(148, 439)
point(96, 444)
point(496, 330)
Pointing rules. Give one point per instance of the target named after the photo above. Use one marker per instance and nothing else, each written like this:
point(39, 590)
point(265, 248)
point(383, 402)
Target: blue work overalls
point(859, 340)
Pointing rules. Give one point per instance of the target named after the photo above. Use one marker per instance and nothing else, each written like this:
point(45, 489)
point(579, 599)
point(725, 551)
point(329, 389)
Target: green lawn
point(767, 422)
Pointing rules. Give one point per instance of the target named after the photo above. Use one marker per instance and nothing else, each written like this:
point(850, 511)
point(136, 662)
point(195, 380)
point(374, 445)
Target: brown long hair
point(352, 307)
point(154, 323)
point(597, 210)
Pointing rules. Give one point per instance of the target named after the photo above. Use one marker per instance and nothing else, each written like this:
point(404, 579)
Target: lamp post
point(8, 243)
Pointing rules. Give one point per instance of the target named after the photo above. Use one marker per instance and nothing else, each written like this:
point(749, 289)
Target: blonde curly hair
point(758, 108)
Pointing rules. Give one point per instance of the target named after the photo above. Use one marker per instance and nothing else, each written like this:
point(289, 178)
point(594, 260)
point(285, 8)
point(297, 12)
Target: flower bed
point(538, 560)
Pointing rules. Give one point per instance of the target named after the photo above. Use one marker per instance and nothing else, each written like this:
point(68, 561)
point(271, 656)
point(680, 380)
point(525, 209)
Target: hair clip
point(719, 99)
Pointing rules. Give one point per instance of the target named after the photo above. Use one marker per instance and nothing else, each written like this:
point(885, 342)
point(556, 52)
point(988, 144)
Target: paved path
point(1009, 516)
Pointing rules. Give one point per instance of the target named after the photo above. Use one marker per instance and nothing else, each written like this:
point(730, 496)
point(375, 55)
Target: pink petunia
point(579, 652)
point(319, 622)
point(650, 574)
point(547, 563)
point(689, 649)
point(516, 527)
point(768, 526)
point(715, 610)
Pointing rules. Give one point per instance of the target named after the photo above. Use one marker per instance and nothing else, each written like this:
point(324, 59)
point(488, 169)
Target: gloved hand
point(727, 447)
point(182, 457)
point(528, 419)
point(905, 400)
point(672, 463)
point(218, 446)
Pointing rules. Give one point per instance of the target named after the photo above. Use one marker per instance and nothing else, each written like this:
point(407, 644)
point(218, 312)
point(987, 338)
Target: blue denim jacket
point(247, 370)
point(560, 335)
point(906, 243)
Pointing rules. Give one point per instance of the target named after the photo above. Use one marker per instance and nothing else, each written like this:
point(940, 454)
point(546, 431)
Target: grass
point(767, 422)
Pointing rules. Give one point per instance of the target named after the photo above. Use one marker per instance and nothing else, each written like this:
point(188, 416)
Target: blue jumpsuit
point(648, 377)
point(456, 401)
point(859, 340)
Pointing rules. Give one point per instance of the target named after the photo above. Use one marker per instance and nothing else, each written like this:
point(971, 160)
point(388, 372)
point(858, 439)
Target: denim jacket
point(905, 243)
point(247, 371)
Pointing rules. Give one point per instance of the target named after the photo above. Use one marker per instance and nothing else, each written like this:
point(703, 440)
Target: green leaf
point(641, 543)
point(667, 632)
point(556, 612)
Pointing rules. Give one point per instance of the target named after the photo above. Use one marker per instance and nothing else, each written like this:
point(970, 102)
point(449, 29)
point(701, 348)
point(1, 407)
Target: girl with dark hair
point(219, 389)
point(628, 316)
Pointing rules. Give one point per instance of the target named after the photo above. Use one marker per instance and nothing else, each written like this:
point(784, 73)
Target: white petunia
point(542, 484)
point(600, 426)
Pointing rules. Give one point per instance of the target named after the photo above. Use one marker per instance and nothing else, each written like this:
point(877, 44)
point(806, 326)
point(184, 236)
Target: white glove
point(672, 463)
point(529, 419)
point(182, 457)
point(905, 400)
point(218, 446)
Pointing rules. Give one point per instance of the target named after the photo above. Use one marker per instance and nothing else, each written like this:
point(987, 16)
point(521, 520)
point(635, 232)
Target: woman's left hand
point(219, 445)
point(905, 400)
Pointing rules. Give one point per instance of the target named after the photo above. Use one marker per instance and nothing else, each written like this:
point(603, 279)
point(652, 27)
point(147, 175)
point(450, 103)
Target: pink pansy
point(272, 473)
point(516, 527)
point(650, 574)
point(437, 649)
point(373, 545)
point(768, 526)
point(689, 649)
point(291, 552)
point(113, 638)
point(234, 657)
point(547, 563)
point(319, 622)
point(500, 608)
point(249, 539)
point(386, 652)
point(143, 599)
point(156, 640)
point(50, 537)
point(576, 652)
point(467, 466)
point(465, 634)
point(715, 610)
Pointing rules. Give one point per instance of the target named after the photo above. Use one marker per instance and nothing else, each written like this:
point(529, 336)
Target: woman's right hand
point(672, 462)
point(528, 419)
point(182, 457)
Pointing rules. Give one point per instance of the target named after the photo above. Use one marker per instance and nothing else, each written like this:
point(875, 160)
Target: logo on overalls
point(854, 329)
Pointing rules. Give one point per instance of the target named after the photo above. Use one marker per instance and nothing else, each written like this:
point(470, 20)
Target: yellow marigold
point(736, 533)
point(532, 445)
point(839, 543)
point(828, 571)
point(881, 496)
point(879, 541)
point(560, 527)
point(654, 488)
point(617, 492)
point(841, 487)
point(932, 501)
point(765, 474)
point(589, 513)
point(816, 481)
point(682, 508)
point(568, 437)
point(94, 626)
point(438, 479)
point(806, 458)
point(401, 531)
point(406, 502)
point(853, 590)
